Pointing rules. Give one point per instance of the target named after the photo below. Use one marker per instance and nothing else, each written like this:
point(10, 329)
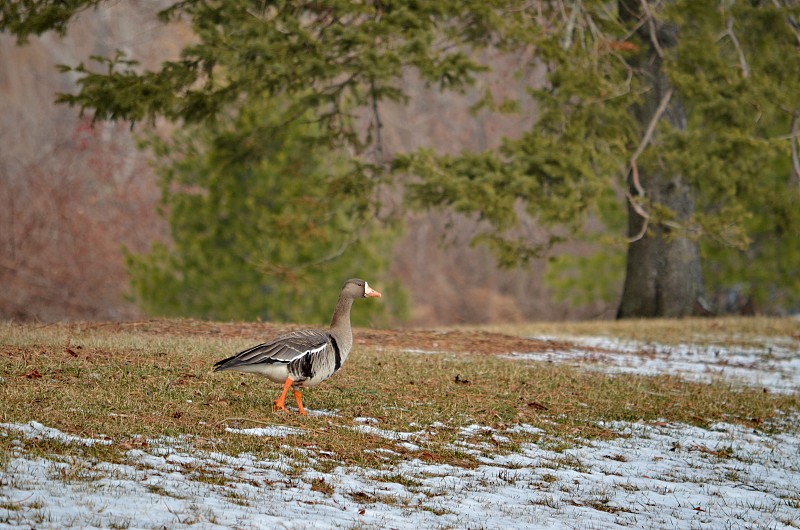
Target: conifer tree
point(258, 226)
point(262, 201)
point(682, 113)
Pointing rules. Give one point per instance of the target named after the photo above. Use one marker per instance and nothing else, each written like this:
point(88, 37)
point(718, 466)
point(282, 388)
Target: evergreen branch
point(24, 19)
point(330, 257)
point(626, 85)
point(793, 24)
point(292, 273)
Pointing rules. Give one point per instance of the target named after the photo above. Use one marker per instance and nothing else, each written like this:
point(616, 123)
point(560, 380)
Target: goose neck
point(341, 315)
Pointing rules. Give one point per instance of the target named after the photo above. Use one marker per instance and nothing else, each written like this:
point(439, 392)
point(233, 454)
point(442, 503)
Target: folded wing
point(280, 350)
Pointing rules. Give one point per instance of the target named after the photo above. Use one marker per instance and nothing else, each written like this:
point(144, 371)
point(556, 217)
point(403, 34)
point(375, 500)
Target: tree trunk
point(663, 276)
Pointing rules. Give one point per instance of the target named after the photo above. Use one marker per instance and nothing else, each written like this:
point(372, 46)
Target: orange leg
point(299, 397)
point(279, 403)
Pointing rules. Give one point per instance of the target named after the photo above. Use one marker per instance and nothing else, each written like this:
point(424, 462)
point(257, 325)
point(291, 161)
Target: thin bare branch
point(651, 24)
point(634, 172)
point(795, 139)
point(626, 86)
point(378, 124)
point(648, 135)
point(566, 42)
point(793, 24)
point(742, 59)
point(633, 168)
point(642, 213)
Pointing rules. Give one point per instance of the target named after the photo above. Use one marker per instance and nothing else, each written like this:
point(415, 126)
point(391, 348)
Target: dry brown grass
point(726, 330)
point(129, 384)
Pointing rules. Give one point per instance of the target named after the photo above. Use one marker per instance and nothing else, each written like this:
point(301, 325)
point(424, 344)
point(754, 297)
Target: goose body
point(304, 358)
point(308, 356)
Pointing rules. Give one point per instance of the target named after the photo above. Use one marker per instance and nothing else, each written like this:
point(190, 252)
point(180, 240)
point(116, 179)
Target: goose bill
point(369, 292)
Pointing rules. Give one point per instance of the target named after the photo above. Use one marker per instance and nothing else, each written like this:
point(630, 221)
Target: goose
point(306, 357)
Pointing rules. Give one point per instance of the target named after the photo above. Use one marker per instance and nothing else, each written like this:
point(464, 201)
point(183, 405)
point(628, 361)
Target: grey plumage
point(308, 354)
point(306, 357)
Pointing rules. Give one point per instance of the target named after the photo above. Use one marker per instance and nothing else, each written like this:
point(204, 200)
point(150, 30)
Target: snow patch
point(35, 429)
point(274, 431)
point(775, 365)
point(652, 475)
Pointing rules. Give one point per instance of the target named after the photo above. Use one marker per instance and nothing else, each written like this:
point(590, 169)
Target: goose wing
point(281, 350)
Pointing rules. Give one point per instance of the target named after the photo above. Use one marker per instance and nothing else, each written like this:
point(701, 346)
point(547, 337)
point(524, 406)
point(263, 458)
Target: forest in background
point(77, 192)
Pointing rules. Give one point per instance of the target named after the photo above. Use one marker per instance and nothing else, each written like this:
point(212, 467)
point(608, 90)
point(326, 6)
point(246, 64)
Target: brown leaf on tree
point(623, 46)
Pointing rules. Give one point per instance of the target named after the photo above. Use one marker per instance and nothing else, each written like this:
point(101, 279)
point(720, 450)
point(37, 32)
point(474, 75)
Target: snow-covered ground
point(775, 365)
point(652, 475)
point(656, 476)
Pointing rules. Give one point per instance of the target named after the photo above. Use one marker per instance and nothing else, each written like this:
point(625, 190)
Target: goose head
point(356, 288)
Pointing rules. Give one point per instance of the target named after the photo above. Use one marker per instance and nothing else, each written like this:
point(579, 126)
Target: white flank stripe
point(315, 350)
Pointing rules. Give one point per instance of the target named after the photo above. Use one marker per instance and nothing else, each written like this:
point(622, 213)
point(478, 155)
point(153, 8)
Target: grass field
point(451, 399)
